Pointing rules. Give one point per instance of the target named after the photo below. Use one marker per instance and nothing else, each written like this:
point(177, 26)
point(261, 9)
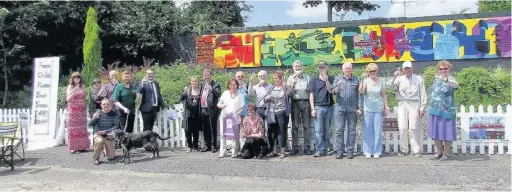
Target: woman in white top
point(231, 102)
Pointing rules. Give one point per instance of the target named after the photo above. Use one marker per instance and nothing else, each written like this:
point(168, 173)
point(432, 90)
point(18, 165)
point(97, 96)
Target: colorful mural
point(419, 41)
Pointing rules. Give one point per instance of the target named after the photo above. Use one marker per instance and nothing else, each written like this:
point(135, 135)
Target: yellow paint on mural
point(280, 46)
point(492, 40)
point(257, 51)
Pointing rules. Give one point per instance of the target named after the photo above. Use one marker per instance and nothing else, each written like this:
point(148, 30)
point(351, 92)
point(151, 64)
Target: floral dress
point(77, 122)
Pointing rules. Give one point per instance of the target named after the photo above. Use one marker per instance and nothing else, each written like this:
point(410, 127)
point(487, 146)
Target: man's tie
point(153, 92)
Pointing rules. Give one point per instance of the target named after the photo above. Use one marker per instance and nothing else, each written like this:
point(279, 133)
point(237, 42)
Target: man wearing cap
point(321, 102)
point(301, 111)
point(412, 98)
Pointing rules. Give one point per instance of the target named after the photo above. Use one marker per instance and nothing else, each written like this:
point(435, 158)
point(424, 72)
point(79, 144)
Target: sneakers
point(367, 156)
point(350, 156)
point(318, 154)
point(401, 154)
point(96, 162)
point(436, 157)
point(339, 156)
point(444, 158)
point(417, 155)
point(376, 156)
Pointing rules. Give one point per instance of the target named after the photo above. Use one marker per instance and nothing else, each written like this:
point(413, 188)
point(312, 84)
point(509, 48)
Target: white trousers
point(408, 122)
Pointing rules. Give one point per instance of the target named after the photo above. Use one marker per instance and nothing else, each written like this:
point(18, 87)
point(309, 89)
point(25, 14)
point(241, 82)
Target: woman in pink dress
point(78, 138)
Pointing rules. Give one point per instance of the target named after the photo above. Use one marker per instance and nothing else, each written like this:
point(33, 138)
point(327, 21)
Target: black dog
point(146, 140)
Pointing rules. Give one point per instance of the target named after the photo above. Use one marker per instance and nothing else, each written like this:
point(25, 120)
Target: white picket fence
point(175, 131)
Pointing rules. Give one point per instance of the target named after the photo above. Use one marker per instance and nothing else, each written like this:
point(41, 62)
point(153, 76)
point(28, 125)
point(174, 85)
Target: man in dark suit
point(210, 93)
point(152, 100)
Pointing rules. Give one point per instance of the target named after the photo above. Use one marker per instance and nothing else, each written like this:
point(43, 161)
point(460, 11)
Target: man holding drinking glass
point(412, 98)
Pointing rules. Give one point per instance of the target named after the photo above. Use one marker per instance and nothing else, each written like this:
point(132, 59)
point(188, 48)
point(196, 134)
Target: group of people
point(112, 106)
point(262, 111)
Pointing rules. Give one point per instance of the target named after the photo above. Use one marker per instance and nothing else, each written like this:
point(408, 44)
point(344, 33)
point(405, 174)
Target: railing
point(174, 130)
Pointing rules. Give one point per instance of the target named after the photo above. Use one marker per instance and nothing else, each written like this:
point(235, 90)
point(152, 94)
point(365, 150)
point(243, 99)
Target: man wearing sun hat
point(412, 99)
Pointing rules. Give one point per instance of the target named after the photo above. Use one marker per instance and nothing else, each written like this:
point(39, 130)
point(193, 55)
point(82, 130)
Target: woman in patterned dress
point(442, 112)
point(78, 138)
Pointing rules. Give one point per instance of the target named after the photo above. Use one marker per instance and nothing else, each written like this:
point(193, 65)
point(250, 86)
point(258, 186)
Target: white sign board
point(44, 95)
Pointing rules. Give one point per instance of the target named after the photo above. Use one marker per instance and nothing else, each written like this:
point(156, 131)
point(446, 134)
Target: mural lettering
point(419, 41)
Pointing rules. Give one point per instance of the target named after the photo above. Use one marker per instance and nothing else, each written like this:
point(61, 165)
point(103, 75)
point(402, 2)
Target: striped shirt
point(107, 121)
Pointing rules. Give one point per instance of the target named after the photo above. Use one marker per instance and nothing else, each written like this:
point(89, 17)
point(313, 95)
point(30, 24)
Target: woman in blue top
point(375, 108)
point(441, 119)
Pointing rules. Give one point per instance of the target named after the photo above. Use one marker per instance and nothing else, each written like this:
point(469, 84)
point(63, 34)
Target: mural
point(419, 41)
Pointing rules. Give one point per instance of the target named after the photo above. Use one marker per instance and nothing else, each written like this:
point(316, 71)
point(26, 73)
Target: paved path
point(55, 169)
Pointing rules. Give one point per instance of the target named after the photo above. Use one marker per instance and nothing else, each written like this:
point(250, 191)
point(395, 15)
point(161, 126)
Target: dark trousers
point(252, 147)
point(301, 117)
point(131, 120)
point(209, 124)
point(279, 130)
point(149, 119)
point(192, 132)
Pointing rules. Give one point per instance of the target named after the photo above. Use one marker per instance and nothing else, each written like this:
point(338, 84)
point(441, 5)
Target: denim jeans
point(322, 126)
point(372, 133)
point(344, 119)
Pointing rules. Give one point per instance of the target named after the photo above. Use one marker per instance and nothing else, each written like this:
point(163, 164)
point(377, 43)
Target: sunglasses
point(443, 69)
point(372, 71)
point(77, 77)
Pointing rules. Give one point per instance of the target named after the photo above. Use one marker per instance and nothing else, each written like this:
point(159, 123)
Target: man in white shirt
point(412, 99)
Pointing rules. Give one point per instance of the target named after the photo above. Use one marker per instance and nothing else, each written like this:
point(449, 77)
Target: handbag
point(270, 116)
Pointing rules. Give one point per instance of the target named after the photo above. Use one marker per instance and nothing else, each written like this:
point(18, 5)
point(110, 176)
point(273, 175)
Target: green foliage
point(479, 85)
point(493, 6)
point(20, 99)
point(92, 47)
point(356, 6)
point(214, 16)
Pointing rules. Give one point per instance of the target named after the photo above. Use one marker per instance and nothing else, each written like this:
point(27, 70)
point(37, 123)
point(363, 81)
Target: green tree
point(92, 47)
point(357, 6)
point(214, 16)
point(492, 6)
point(18, 22)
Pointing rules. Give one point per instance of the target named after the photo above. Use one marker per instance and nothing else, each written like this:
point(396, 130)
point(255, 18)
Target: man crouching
point(104, 123)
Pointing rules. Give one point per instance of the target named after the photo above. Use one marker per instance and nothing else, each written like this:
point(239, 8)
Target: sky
point(266, 12)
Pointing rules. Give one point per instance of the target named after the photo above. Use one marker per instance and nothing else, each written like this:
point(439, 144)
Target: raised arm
point(362, 87)
point(69, 93)
point(453, 82)
point(423, 95)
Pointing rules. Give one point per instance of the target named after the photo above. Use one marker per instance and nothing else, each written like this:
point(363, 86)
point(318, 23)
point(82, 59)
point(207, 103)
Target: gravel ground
point(55, 169)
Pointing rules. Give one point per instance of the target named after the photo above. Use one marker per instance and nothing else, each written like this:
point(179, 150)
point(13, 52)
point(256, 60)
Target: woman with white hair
point(375, 108)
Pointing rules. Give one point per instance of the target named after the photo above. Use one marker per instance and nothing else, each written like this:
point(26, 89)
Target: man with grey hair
point(412, 98)
point(348, 107)
point(107, 90)
point(301, 110)
point(257, 93)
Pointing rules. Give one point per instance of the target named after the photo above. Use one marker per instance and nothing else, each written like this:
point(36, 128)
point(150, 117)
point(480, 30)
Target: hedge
point(478, 85)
